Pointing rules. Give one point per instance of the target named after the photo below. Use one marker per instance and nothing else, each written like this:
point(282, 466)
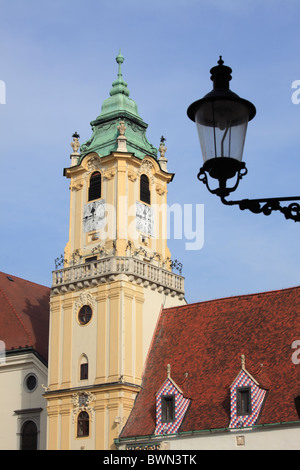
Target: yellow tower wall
point(126, 282)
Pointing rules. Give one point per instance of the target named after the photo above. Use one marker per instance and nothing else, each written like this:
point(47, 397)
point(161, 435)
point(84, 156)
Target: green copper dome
point(105, 127)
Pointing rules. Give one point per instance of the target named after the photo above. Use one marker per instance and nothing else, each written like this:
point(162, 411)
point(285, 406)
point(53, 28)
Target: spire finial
point(119, 86)
point(120, 60)
point(168, 371)
point(220, 61)
point(243, 360)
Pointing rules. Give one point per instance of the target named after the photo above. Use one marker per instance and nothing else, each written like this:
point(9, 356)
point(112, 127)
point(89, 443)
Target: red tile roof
point(24, 314)
point(203, 343)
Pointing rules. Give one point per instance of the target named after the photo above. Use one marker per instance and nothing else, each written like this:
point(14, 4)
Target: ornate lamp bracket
point(257, 206)
point(266, 206)
point(222, 190)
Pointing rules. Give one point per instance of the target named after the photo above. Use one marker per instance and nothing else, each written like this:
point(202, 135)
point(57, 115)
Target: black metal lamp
point(222, 117)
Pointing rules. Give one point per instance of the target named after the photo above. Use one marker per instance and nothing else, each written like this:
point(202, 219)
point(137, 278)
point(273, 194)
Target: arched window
point(95, 186)
point(29, 436)
point(83, 424)
point(84, 367)
point(144, 189)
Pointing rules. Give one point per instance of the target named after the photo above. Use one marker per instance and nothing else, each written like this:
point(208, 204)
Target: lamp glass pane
point(222, 127)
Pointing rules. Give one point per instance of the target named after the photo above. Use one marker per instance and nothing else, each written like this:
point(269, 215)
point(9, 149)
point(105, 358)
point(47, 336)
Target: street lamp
point(222, 117)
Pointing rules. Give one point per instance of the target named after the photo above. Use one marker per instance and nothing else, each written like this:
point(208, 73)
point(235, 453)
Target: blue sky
point(57, 60)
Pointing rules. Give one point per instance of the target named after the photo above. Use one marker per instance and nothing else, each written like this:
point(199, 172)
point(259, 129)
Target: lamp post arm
point(266, 206)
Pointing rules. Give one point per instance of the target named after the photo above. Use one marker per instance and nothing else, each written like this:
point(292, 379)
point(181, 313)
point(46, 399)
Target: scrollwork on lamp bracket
point(258, 206)
point(268, 205)
point(222, 190)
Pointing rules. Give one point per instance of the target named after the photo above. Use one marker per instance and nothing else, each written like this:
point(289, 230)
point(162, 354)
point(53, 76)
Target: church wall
point(19, 401)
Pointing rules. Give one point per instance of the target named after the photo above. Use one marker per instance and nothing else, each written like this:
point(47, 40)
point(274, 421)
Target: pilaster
point(67, 307)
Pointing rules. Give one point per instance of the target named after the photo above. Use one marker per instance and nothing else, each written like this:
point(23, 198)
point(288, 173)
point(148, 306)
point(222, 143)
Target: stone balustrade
point(110, 268)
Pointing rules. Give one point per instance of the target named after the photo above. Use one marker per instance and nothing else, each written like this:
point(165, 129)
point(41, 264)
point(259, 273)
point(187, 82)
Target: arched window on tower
point(84, 368)
point(29, 434)
point(83, 424)
point(95, 186)
point(144, 189)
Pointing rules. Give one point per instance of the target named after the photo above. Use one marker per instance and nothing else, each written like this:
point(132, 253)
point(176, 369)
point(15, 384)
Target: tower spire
point(119, 86)
point(118, 106)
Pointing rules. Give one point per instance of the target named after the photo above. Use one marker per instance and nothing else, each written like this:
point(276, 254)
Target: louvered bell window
point(95, 186)
point(144, 189)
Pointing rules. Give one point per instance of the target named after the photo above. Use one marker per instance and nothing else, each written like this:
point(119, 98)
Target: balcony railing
point(112, 266)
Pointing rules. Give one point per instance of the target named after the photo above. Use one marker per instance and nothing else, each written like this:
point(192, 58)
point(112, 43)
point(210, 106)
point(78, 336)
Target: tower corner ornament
point(121, 139)
point(121, 127)
point(162, 149)
point(75, 144)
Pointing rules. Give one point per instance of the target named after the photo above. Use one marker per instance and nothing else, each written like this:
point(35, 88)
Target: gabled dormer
point(246, 399)
point(171, 406)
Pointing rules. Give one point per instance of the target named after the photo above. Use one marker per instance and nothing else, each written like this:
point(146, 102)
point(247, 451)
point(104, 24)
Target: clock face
point(94, 216)
point(144, 219)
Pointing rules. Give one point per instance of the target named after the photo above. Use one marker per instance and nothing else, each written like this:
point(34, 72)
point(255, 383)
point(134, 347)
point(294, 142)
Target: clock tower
point(115, 276)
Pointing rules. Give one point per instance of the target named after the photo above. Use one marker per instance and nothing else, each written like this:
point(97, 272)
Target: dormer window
point(171, 406)
point(144, 189)
point(246, 399)
point(95, 186)
point(167, 408)
point(243, 401)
